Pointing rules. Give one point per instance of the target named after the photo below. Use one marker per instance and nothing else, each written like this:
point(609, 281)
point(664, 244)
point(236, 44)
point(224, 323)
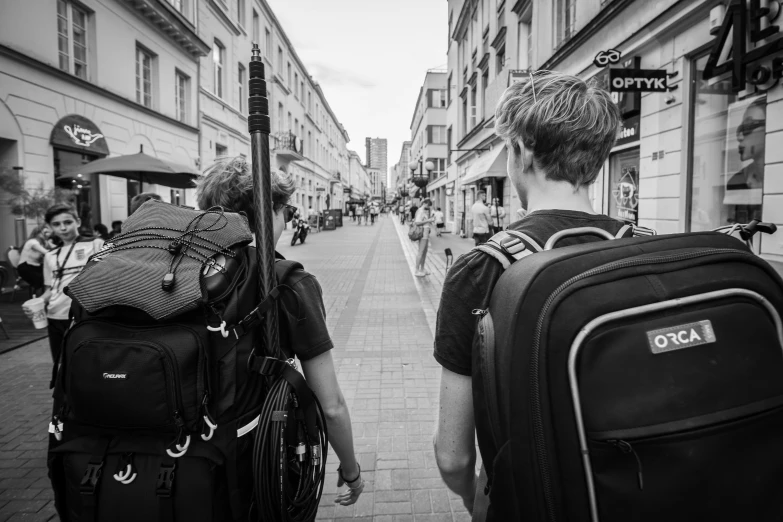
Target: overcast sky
point(370, 58)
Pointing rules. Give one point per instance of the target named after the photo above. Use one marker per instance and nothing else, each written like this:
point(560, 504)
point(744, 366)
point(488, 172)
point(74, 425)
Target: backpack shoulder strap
point(509, 246)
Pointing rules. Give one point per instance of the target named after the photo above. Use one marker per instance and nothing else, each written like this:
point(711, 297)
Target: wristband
point(340, 473)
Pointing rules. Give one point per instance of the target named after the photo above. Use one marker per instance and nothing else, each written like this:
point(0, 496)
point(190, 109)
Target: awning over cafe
point(490, 164)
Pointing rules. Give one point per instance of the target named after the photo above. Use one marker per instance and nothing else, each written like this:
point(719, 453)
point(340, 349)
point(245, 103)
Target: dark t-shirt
point(469, 283)
point(305, 334)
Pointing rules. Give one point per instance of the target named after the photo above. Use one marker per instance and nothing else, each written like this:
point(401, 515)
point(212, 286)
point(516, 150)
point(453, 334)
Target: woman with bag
point(424, 219)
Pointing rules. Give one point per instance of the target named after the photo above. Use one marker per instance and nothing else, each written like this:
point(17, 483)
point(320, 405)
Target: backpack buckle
point(90, 478)
point(512, 245)
point(165, 483)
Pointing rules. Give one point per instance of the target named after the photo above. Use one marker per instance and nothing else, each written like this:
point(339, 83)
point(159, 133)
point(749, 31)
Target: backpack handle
point(581, 231)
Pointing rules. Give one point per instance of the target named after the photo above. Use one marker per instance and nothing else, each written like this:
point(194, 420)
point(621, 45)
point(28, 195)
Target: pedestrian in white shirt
point(497, 214)
point(481, 219)
point(60, 267)
point(424, 217)
point(439, 222)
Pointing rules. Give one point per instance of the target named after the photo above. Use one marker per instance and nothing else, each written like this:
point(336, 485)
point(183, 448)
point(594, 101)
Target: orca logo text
point(681, 336)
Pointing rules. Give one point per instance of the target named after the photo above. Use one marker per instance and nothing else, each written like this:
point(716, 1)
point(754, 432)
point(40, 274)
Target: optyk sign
point(637, 80)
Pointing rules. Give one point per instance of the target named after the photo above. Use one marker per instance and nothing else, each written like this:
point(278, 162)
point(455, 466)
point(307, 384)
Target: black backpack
point(639, 379)
point(153, 413)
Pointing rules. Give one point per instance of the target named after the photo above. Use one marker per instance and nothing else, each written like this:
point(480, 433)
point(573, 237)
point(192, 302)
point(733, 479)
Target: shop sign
point(518, 76)
point(450, 189)
point(629, 131)
point(78, 133)
point(731, 54)
point(346, 190)
point(604, 58)
point(320, 189)
point(637, 80)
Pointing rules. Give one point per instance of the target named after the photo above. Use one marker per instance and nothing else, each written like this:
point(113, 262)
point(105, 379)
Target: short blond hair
point(228, 183)
point(569, 125)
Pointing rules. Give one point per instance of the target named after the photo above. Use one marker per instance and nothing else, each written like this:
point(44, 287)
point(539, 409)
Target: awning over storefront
point(490, 164)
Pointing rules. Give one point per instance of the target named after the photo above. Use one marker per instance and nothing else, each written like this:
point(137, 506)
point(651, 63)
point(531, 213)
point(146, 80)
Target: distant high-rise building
point(376, 157)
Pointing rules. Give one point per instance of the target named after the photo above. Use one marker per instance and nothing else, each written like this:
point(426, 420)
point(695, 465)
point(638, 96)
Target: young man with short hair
point(558, 133)
point(60, 267)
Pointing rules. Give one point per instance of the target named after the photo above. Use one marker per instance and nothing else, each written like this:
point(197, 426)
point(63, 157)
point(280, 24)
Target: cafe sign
point(77, 133)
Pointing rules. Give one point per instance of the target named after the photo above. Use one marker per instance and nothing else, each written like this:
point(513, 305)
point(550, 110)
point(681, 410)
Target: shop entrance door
point(623, 187)
point(81, 190)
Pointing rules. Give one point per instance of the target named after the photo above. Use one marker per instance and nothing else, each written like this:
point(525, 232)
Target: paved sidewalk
point(381, 319)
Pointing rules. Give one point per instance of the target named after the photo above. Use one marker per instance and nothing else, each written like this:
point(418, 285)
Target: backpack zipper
point(539, 441)
point(625, 447)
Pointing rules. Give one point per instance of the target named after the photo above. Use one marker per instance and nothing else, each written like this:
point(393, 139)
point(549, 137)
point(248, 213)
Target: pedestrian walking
point(555, 187)
point(497, 214)
point(61, 266)
point(226, 184)
point(359, 212)
point(439, 222)
point(30, 267)
point(366, 214)
point(139, 199)
point(424, 218)
point(481, 219)
point(116, 228)
point(402, 213)
point(373, 213)
point(353, 212)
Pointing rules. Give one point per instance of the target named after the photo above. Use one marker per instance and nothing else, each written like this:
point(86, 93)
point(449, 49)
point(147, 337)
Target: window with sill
point(72, 38)
point(565, 20)
point(241, 87)
point(181, 90)
point(218, 57)
point(241, 12)
point(143, 77)
point(256, 28)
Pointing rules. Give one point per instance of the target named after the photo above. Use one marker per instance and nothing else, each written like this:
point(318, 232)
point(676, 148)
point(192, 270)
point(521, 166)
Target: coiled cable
point(288, 472)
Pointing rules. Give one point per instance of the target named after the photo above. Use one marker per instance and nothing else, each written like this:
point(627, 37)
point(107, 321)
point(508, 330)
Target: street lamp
point(420, 178)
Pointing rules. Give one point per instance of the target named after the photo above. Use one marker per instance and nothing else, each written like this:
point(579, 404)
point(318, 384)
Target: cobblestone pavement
point(381, 319)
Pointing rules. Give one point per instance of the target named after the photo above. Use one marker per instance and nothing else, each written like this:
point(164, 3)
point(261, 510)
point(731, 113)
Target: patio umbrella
point(143, 168)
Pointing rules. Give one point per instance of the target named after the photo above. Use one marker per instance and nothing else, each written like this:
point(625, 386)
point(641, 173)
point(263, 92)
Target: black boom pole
point(259, 126)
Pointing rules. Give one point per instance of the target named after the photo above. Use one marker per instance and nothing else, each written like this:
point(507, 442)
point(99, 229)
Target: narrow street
point(381, 318)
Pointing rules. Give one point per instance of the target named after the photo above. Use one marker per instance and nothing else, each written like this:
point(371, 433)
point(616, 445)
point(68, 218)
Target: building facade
point(491, 44)
point(400, 172)
point(307, 139)
point(377, 154)
point(96, 78)
point(428, 135)
point(358, 186)
point(102, 78)
point(709, 151)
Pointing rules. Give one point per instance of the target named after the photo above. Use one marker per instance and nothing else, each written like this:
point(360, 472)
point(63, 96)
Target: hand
point(355, 488)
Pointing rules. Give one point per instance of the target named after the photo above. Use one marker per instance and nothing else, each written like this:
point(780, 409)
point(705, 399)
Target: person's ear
point(525, 157)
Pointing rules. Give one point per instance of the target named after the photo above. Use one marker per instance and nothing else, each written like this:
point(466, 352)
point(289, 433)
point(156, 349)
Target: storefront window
point(624, 186)
point(727, 169)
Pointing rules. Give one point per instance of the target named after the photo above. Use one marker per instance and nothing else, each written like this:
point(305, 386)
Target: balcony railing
point(289, 145)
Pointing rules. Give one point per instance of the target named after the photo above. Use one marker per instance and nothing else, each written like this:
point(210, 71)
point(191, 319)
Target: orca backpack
point(638, 379)
point(154, 406)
